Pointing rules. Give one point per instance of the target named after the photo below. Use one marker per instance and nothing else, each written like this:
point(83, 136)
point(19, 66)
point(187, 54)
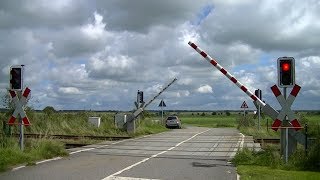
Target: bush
point(49, 110)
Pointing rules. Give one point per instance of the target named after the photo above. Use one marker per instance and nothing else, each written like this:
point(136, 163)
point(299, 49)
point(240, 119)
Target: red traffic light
point(286, 72)
point(285, 66)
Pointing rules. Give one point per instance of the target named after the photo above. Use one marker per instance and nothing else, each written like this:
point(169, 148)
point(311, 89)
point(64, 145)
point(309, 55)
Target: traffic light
point(16, 78)
point(258, 93)
point(286, 73)
point(140, 97)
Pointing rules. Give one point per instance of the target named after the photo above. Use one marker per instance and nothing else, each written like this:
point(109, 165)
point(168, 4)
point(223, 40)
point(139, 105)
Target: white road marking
point(153, 156)
point(242, 141)
point(239, 144)
point(14, 169)
point(128, 178)
point(47, 160)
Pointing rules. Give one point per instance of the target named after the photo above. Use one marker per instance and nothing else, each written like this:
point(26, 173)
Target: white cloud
point(205, 89)
point(69, 90)
point(95, 30)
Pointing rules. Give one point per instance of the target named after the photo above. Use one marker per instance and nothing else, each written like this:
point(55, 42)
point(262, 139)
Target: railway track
point(274, 140)
point(74, 137)
point(267, 140)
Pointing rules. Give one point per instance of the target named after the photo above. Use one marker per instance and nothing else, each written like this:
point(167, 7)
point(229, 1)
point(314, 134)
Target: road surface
point(190, 153)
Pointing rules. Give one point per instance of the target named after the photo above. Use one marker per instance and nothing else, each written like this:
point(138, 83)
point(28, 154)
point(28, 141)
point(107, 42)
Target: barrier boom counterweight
point(266, 108)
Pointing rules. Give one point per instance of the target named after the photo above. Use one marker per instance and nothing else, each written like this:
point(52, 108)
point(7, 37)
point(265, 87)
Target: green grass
point(10, 153)
point(247, 172)
point(212, 121)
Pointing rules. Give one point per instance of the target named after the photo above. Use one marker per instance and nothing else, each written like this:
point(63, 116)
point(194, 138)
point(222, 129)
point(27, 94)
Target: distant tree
point(192, 114)
point(198, 114)
point(214, 113)
point(203, 114)
point(228, 113)
point(49, 110)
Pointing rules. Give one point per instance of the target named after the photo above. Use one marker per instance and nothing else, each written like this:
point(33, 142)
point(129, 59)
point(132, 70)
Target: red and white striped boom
point(227, 74)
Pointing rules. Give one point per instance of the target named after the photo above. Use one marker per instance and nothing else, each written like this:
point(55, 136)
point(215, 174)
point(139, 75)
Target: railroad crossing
point(189, 153)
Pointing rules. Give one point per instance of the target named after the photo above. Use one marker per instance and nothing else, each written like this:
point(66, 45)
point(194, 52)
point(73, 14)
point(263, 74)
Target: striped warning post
point(227, 74)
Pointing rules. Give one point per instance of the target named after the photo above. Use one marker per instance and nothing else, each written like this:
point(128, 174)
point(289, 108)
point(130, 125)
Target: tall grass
point(10, 153)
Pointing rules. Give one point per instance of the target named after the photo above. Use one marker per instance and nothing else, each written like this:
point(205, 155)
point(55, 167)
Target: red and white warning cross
point(286, 107)
point(19, 107)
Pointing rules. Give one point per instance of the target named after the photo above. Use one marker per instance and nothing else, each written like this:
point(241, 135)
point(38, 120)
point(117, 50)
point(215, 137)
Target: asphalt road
point(191, 153)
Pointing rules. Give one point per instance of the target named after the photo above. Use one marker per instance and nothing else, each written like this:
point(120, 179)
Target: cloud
point(68, 90)
point(205, 89)
point(97, 54)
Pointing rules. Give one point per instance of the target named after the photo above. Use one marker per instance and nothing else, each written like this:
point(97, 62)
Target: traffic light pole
point(21, 137)
point(287, 141)
point(259, 116)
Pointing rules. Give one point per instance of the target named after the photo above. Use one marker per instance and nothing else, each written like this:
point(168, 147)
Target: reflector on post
point(286, 72)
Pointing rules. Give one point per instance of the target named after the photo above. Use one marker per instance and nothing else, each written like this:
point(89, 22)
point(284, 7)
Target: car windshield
point(171, 118)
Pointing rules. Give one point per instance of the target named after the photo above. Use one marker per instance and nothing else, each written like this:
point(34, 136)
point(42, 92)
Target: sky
point(96, 54)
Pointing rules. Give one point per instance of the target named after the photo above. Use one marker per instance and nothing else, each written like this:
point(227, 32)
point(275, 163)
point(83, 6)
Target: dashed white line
point(153, 156)
point(128, 178)
point(47, 160)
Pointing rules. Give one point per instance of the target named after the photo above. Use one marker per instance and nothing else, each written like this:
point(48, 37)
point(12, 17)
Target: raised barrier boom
point(140, 110)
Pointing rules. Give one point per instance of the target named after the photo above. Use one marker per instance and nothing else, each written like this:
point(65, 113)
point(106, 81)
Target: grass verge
point(265, 173)
point(10, 153)
point(211, 121)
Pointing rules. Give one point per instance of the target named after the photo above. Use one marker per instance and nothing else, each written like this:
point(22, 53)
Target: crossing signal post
point(286, 72)
point(16, 85)
point(286, 79)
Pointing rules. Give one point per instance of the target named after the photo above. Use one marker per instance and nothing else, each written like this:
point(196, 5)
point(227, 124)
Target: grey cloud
point(140, 15)
point(43, 14)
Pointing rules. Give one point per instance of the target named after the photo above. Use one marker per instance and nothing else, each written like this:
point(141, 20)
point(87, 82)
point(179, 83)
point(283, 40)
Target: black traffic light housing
point(16, 79)
point(286, 72)
point(140, 97)
point(258, 93)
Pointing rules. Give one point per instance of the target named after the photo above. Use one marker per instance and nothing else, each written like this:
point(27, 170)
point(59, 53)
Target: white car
point(173, 121)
